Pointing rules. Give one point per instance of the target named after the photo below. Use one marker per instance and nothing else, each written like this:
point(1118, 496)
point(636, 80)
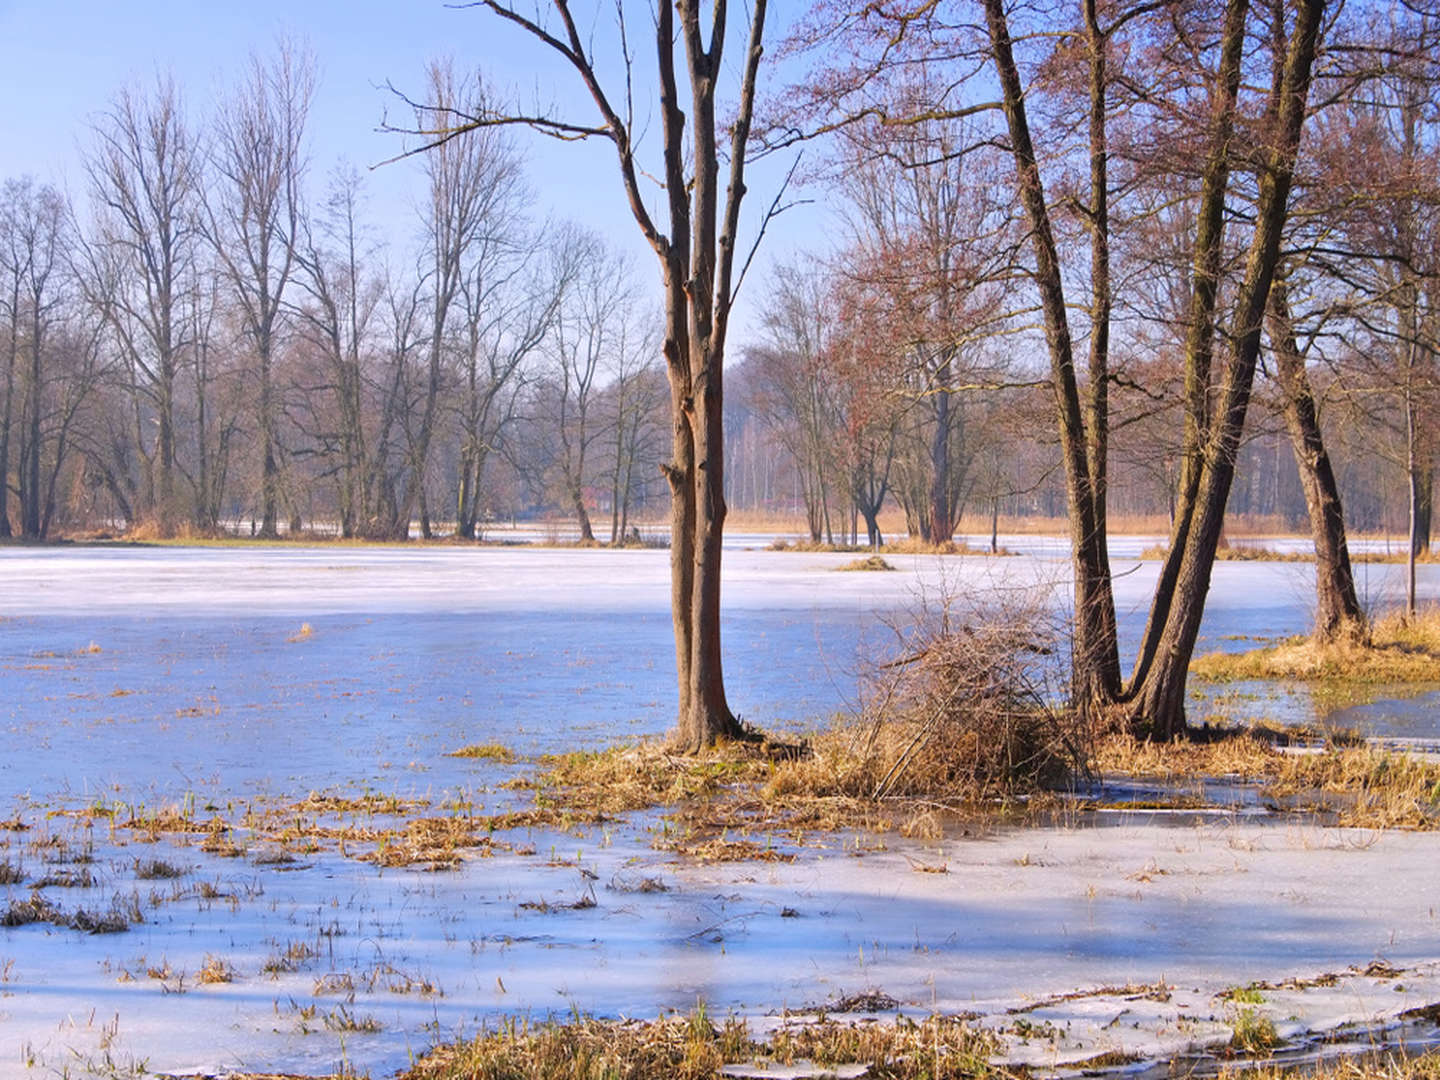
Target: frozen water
point(203, 687)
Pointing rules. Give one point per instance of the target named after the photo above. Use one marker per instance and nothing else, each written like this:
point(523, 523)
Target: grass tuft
point(157, 870)
point(869, 562)
point(486, 751)
point(1252, 1032)
point(1363, 787)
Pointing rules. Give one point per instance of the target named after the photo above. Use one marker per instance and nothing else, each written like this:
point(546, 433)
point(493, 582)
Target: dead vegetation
point(963, 716)
point(1373, 1066)
point(694, 1047)
point(910, 545)
point(123, 913)
point(496, 752)
point(1235, 553)
point(1361, 786)
point(796, 544)
point(902, 546)
point(868, 563)
point(1400, 650)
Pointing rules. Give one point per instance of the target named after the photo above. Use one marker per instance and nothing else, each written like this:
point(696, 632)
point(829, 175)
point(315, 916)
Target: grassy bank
point(1400, 650)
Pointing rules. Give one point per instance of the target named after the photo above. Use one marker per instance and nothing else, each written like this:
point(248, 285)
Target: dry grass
point(643, 775)
point(1364, 788)
point(497, 752)
point(1394, 557)
point(913, 546)
point(869, 562)
point(1400, 650)
point(1241, 754)
point(1236, 553)
point(215, 970)
point(1367, 788)
point(806, 545)
point(693, 1047)
point(1390, 1066)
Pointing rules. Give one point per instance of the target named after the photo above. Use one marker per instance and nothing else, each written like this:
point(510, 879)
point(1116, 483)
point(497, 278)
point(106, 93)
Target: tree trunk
point(30, 482)
point(1337, 606)
point(1095, 655)
point(5, 433)
point(269, 467)
point(1158, 699)
point(1423, 484)
point(940, 524)
point(582, 515)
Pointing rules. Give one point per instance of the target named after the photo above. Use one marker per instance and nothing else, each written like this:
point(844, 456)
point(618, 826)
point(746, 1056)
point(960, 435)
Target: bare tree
point(509, 296)
point(695, 243)
point(336, 319)
point(254, 221)
point(144, 176)
point(794, 392)
point(589, 332)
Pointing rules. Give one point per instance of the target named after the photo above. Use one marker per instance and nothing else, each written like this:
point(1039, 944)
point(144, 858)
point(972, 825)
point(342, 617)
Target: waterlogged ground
point(204, 684)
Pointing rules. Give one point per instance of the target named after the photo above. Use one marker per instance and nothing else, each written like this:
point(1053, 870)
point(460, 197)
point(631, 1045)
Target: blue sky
point(62, 62)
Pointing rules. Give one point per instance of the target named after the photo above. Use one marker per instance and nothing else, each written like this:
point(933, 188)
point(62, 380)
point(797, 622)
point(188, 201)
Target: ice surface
point(202, 687)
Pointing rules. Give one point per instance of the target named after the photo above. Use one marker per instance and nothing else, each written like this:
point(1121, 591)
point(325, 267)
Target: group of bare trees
point(1161, 202)
point(212, 337)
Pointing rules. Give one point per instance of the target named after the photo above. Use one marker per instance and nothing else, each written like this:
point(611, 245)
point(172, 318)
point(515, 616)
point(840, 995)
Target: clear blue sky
point(62, 62)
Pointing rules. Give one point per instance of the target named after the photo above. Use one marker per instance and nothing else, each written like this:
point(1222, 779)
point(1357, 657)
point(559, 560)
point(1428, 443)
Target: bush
point(966, 712)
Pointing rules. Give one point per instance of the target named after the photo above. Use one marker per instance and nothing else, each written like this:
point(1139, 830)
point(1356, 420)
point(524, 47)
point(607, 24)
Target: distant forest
point(210, 338)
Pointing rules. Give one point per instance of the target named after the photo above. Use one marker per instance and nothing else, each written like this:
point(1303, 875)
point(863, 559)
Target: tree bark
point(1158, 699)
point(1337, 606)
point(1095, 681)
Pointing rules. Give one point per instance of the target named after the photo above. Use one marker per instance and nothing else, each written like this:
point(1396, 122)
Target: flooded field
point(225, 682)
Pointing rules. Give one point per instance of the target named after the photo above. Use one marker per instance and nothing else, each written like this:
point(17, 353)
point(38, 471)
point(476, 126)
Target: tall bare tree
point(590, 331)
point(473, 179)
point(342, 297)
point(694, 237)
point(254, 220)
point(144, 172)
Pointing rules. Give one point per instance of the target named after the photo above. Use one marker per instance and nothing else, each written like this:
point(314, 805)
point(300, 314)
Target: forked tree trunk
point(1157, 701)
point(1337, 606)
point(696, 251)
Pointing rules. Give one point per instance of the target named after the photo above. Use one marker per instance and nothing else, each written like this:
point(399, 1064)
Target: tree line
point(212, 338)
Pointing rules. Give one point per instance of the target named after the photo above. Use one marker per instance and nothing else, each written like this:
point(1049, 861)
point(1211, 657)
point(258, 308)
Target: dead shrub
point(966, 713)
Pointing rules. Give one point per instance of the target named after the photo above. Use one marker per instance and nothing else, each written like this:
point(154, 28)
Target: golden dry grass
point(912, 546)
point(1389, 1066)
point(1236, 553)
point(1242, 755)
point(693, 1047)
point(807, 545)
point(868, 563)
point(1401, 650)
point(1394, 556)
point(1362, 787)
